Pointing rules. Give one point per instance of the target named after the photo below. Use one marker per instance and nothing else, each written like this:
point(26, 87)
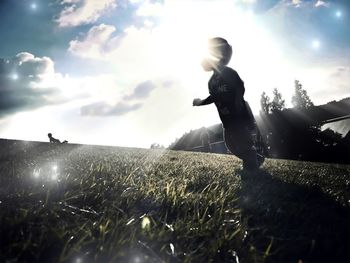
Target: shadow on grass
point(289, 222)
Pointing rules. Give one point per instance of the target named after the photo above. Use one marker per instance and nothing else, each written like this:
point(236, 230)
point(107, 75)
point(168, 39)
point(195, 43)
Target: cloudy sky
point(125, 72)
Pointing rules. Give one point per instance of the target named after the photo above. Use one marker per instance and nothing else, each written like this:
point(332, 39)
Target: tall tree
point(277, 104)
point(265, 103)
point(300, 98)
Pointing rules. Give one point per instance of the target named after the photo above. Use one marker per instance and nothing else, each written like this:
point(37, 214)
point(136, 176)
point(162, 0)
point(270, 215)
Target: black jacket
point(226, 90)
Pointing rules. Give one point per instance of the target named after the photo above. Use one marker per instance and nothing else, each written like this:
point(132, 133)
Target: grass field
point(76, 203)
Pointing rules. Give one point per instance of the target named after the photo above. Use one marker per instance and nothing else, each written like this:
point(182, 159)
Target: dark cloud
point(23, 99)
point(168, 83)
point(339, 85)
point(104, 109)
point(143, 90)
point(19, 83)
point(341, 72)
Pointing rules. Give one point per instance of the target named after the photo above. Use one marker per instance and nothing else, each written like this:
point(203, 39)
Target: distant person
point(54, 140)
point(226, 90)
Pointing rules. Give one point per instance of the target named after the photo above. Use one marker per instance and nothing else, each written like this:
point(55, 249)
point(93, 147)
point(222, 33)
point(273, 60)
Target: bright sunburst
point(180, 41)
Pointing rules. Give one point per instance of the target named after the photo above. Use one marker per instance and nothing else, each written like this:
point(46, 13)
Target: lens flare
point(316, 44)
point(14, 76)
point(36, 173)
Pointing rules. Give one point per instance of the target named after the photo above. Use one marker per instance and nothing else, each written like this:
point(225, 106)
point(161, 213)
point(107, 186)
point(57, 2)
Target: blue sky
point(124, 72)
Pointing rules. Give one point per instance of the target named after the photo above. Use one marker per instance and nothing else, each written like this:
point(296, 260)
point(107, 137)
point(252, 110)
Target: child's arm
point(199, 102)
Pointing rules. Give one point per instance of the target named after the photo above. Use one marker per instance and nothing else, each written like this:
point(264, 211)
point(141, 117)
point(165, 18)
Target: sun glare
point(178, 46)
point(180, 42)
point(14, 76)
point(33, 6)
point(182, 35)
point(316, 44)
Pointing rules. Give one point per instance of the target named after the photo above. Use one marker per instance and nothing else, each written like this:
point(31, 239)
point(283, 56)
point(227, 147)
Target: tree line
point(300, 100)
point(288, 133)
point(297, 133)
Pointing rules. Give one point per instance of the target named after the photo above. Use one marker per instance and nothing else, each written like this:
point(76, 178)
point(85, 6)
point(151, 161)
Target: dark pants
point(239, 140)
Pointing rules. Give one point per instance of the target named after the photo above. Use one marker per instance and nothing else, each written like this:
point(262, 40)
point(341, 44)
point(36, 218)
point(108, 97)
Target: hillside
point(80, 203)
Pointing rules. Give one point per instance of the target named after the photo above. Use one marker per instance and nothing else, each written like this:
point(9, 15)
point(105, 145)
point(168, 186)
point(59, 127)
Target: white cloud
point(326, 83)
point(78, 12)
point(148, 23)
point(148, 8)
point(296, 3)
point(249, 1)
point(320, 3)
point(133, 52)
point(135, 1)
point(104, 109)
point(70, 1)
point(28, 66)
point(97, 43)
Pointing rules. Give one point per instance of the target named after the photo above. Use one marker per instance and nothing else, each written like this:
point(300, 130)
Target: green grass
point(110, 204)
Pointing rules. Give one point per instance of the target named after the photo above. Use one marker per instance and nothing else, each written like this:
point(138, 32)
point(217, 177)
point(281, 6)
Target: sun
point(181, 38)
point(179, 46)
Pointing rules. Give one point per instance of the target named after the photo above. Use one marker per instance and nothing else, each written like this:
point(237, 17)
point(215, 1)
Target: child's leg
point(240, 142)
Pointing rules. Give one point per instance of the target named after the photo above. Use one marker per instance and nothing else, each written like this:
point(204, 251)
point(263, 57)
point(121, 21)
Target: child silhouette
point(54, 140)
point(226, 90)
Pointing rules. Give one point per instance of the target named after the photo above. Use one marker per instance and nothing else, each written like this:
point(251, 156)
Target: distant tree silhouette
point(300, 98)
point(277, 104)
point(265, 103)
point(293, 133)
point(328, 137)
